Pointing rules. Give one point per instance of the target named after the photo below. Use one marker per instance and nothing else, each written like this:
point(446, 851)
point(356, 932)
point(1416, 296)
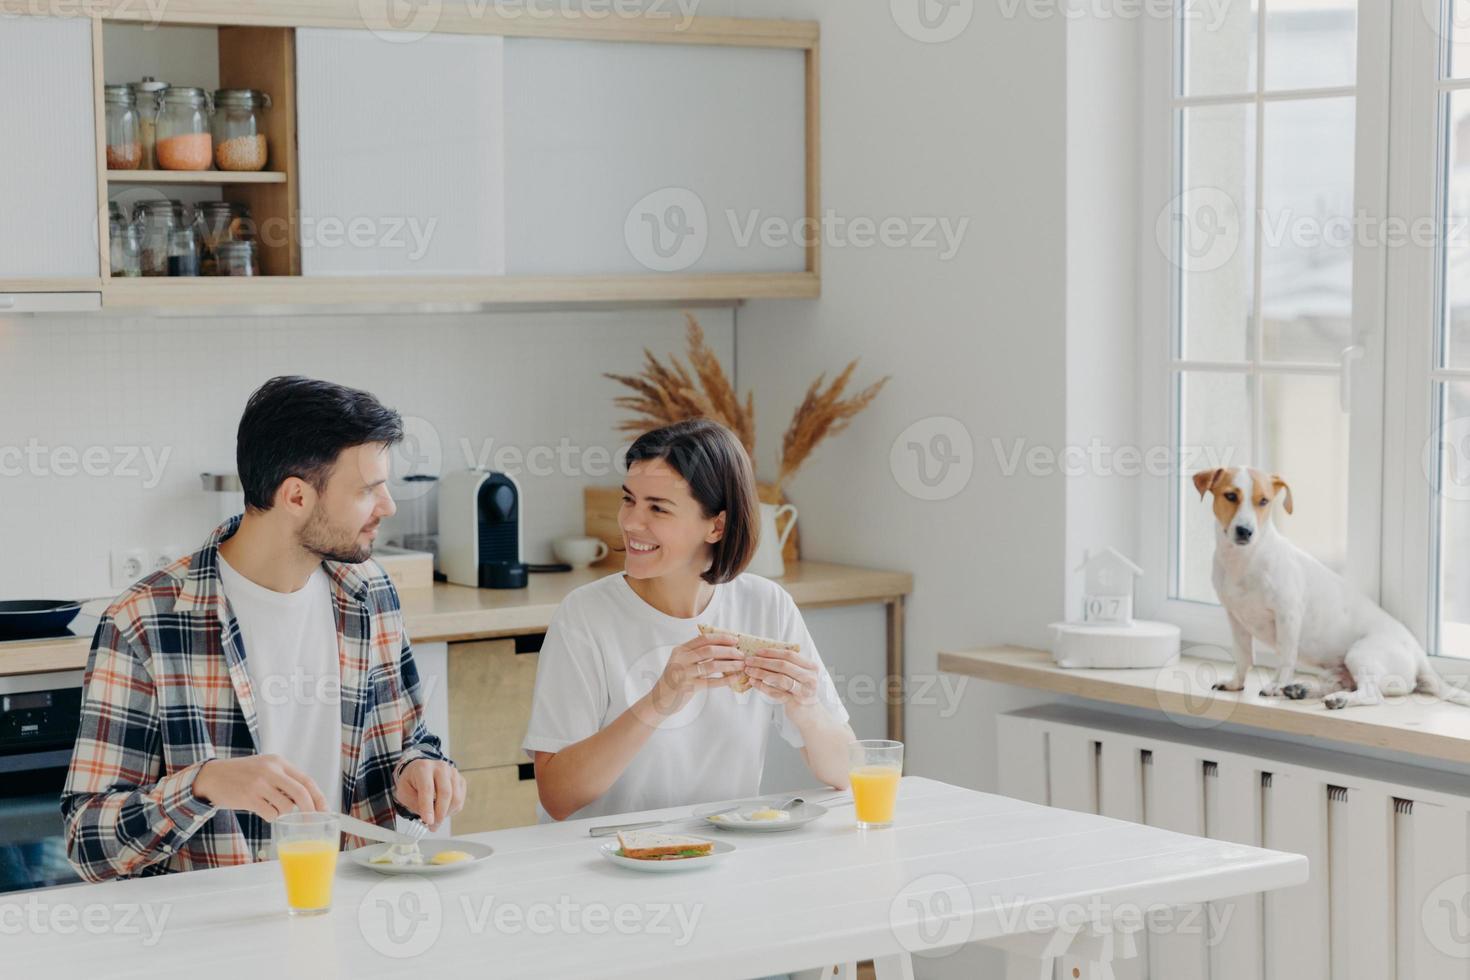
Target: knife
point(372, 831)
point(607, 830)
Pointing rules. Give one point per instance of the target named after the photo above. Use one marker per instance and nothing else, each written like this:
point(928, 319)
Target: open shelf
point(194, 177)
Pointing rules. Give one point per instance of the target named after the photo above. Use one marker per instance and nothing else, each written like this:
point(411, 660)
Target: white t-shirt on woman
point(605, 649)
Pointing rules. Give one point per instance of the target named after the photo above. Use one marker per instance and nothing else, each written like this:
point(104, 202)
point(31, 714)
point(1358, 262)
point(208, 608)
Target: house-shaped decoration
point(1108, 593)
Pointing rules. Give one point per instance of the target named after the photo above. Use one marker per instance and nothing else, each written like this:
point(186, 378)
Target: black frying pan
point(27, 618)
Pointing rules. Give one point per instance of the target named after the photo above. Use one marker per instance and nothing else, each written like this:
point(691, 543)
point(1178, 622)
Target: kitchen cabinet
point(490, 687)
point(401, 154)
point(506, 157)
point(644, 158)
point(49, 198)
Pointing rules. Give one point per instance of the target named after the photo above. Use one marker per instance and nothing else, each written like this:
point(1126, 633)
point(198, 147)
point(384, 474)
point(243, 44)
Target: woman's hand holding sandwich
point(704, 662)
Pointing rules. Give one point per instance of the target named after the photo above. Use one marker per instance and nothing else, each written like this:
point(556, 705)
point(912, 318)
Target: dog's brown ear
point(1278, 485)
point(1205, 479)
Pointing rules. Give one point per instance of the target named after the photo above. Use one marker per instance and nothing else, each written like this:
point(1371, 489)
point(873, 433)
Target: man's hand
point(432, 789)
point(265, 785)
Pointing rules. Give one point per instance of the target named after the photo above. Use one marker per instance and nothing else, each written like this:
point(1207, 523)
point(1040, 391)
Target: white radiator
point(1389, 895)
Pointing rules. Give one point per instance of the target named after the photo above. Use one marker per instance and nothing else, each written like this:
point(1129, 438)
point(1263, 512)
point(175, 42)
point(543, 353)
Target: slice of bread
point(746, 643)
point(648, 845)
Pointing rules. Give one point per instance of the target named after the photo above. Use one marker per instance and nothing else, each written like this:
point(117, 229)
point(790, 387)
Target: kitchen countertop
point(452, 612)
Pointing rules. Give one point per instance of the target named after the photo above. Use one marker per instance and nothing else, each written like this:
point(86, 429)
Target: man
point(268, 671)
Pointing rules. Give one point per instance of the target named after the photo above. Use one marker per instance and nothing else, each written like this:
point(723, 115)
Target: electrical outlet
point(166, 556)
point(128, 566)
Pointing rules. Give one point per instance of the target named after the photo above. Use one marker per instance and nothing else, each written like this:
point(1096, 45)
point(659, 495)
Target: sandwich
point(646, 845)
point(748, 644)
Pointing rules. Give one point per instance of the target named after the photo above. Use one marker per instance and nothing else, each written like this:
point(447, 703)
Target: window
point(1263, 286)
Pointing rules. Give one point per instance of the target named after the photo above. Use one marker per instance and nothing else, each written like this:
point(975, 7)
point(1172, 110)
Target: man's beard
point(332, 544)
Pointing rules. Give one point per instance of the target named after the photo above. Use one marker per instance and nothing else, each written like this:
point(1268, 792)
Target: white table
point(959, 866)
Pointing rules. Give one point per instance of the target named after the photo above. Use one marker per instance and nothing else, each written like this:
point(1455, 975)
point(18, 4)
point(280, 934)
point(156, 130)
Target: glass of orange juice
point(875, 766)
point(307, 845)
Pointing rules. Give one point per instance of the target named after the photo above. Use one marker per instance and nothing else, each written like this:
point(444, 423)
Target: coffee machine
point(480, 530)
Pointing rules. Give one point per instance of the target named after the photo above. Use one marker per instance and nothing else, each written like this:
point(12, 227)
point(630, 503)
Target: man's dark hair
point(296, 426)
point(715, 465)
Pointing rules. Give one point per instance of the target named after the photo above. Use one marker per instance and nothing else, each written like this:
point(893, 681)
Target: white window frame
point(1411, 533)
point(1363, 378)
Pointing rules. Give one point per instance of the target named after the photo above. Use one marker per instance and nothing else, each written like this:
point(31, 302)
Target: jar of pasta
point(184, 140)
point(239, 140)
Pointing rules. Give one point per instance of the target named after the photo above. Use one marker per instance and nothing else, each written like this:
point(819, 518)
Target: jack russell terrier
point(1278, 594)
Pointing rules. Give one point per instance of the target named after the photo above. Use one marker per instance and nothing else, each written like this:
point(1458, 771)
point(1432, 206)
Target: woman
point(633, 708)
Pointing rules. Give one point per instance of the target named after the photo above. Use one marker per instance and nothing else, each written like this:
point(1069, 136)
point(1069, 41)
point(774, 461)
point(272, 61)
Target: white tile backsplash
point(107, 422)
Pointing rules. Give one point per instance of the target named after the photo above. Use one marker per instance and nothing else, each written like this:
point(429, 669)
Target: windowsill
point(1416, 725)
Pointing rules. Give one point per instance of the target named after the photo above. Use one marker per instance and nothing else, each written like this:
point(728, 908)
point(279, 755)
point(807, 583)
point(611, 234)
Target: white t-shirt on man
point(605, 649)
point(290, 643)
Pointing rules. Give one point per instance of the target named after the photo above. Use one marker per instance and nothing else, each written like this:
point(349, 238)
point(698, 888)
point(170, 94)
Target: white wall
point(172, 389)
point(972, 128)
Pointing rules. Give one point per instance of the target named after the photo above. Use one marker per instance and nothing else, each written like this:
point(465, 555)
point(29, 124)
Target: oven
point(39, 717)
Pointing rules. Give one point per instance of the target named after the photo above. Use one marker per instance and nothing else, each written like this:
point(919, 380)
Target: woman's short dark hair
point(296, 426)
point(714, 464)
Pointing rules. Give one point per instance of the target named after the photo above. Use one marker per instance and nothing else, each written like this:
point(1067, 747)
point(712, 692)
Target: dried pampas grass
point(666, 393)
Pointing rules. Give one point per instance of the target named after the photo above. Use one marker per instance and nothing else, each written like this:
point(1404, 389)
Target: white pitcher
point(768, 560)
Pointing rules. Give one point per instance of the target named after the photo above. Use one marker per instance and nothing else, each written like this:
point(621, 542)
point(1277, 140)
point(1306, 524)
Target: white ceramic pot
point(768, 560)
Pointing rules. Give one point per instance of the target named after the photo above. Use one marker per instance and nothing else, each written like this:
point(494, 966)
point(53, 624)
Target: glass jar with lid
point(149, 93)
point(222, 221)
point(238, 258)
point(184, 139)
point(125, 244)
point(124, 151)
point(156, 223)
point(239, 139)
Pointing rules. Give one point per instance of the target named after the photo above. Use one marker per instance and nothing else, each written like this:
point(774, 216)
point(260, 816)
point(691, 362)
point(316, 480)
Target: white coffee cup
point(580, 552)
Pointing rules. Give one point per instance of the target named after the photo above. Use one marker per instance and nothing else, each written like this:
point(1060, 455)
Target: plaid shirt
point(166, 690)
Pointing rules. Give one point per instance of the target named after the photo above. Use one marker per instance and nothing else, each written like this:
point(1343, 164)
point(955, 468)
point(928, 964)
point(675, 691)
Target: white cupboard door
point(401, 154)
point(636, 159)
point(48, 150)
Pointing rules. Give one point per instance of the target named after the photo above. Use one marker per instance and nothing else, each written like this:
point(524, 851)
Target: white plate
point(611, 848)
point(428, 848)
point(800, 817)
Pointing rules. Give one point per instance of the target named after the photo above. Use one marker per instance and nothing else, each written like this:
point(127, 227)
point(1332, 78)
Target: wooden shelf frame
point(210, 177)
point(283, 285)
